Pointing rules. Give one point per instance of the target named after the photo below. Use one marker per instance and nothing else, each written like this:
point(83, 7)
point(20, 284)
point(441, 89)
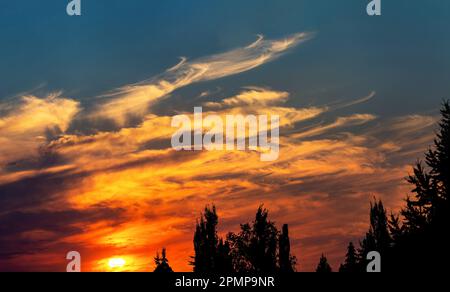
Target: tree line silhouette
point(416, 239)
point(259, 247)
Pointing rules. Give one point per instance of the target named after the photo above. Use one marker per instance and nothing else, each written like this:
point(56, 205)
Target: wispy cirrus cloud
point(134, 100)
point(347, 121)
point(252, 96)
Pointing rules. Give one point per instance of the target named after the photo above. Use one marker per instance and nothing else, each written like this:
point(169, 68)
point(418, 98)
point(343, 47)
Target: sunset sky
point(86, 105)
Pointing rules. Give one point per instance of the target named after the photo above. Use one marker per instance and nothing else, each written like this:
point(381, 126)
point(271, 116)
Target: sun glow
point(116, 263)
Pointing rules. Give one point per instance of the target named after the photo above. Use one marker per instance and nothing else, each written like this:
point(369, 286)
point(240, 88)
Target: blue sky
point(401, 55)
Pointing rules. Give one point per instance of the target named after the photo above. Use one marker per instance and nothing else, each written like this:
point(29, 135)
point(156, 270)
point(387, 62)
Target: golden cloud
point(25, 125)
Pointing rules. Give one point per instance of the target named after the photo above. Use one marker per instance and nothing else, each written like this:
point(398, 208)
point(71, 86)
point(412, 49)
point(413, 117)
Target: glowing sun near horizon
point(116, 263)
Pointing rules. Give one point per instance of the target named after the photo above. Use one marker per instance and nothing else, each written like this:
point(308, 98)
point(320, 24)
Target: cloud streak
point(134, 100)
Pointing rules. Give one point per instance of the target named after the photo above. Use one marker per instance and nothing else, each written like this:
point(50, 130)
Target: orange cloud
point(125, 194)
point(160, 191)
point(24, 126)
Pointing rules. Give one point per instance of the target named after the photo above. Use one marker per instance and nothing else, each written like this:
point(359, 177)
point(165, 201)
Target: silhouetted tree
point(380, 227)
point(378, 237)
point(254, 249)
point(417, 239)
point(420, 237)
point(287, 261)
point(240, 249)
point(162, 263)
point(224, 261)
point(438, 159)
point(260, 248)
point(351, 264)
point(324, 266)
point(430, 204)
point(211, 254)
point(396, 229)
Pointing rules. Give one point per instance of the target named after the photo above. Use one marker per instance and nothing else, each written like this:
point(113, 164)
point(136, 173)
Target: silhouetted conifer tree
point(378, 237)
point(417, 240)
point(430, 205)
point(420, 238)
point(351, 264)
point(395, 228)
point(162, 263)
point(438, 159)
point(324, 266)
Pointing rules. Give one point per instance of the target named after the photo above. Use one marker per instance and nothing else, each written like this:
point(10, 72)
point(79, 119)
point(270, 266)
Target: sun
point(116, 263)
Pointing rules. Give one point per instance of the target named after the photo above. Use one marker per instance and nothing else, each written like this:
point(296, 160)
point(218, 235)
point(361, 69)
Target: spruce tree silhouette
point(420, 238)
point(323, 266)
point(351, 261)
point(211, 253)
point(162, 263)
point(395, 228)
point(416, 240)
point(378, 237)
